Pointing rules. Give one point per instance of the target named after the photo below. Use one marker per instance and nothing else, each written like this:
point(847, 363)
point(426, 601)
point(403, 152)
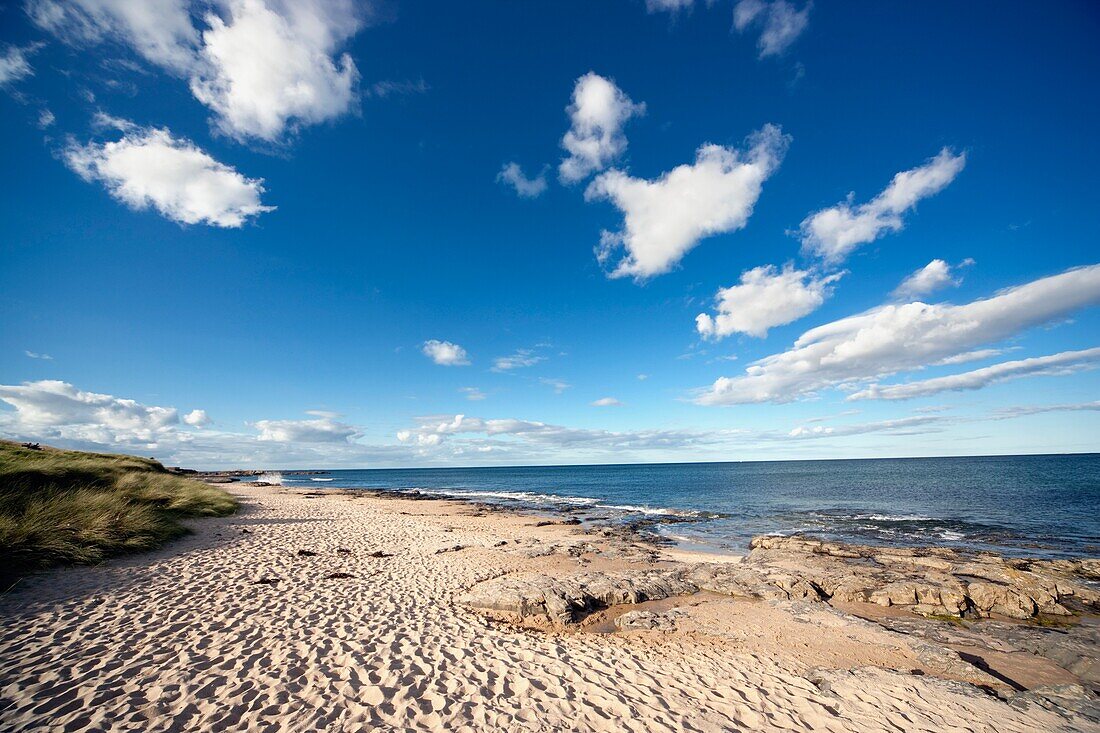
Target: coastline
point(333, 610)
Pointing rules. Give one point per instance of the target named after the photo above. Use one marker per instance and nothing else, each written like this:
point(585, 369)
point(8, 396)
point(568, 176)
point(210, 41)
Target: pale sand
point(184, 639)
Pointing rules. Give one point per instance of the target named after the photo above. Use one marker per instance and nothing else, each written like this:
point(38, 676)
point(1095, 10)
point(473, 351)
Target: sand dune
point(189, 639)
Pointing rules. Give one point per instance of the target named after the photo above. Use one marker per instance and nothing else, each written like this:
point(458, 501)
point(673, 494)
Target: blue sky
point(268, 212)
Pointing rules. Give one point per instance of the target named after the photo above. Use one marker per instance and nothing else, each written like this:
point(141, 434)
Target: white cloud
point(473, 393)
point(36, 355)
point(598, 113)
point(265, 68)
point(902, 426)
point(607, 402)
point(780, 24)
point(445, 353)
point(665, 218)
point(525, 187)
point(319, 430)
point(1066, 362)
point(522, 358)
point(14, 65)
point(514, 433)
point(833, 233)
point(934, 276)
point(557, 385)
point(55, 409)
point(765, 298)
point(1009, 413)
point(968, 356)
point(159, 30)
point(45, 119)
point(148, 167)
point(390, 88)
point(903, 337)
point(643, 377)
point(197, 418)
point(670, 6)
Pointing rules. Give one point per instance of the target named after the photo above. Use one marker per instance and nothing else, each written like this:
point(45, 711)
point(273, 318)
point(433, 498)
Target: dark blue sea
point(1020, 505)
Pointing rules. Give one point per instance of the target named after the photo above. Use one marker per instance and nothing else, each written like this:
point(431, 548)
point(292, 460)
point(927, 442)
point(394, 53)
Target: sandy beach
point(326, 611)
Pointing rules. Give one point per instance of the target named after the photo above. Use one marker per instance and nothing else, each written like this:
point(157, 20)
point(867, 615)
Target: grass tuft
point(61, 507)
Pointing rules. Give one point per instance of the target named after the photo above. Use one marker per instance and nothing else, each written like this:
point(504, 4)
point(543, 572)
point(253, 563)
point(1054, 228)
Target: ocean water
point(1046, 506)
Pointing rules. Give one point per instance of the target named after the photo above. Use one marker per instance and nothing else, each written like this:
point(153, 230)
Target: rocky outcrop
point(565, 600)
point(930, 581)
point(926, 581)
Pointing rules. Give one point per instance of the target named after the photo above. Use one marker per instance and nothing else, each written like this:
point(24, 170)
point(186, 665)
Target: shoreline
point(332, 609)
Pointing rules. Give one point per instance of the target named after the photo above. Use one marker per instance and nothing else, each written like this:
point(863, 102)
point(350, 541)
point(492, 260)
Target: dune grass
point(60, 507)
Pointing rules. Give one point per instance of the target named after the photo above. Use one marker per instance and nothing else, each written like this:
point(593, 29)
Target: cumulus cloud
point(1066, 362)
point(833, 233)
point(269, 66)
point(934, 276)
point(148, 167)
point(607, 402)
point(317, 430)
point(765, 298)
point(197, 418)
point(55, 409)
point(445, 353)
point(779, 22)
point(160, 31)
point(598, 113)
point(525, 187)
point(265, 67)
point(665, 218)
point(903, 337)
point(14, 65)
point(522, 358)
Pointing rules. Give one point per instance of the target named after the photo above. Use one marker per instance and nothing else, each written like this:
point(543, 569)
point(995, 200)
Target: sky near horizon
point(324, 233)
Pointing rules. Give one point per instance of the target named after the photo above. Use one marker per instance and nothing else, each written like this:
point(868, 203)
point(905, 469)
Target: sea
point(1033, 506)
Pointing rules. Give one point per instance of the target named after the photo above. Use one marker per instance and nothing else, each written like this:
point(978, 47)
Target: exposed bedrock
point(928, 582)
point(932, 581)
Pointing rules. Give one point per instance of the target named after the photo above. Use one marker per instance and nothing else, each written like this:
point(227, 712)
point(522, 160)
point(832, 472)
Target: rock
point(648, 620)
point(334, 576)
point(441, 550)
point(306, 553)
point(565, 600)
point(963, 584)
point(379, 553)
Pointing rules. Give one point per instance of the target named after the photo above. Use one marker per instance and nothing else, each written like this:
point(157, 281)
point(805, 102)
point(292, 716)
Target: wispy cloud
point(557, 385)
point(473, 393)
point(834, 233)
point(1066, 362)
point(520, 359)
point(779, 22)
point(528, 188)
point(36, 355)
point(607, 402)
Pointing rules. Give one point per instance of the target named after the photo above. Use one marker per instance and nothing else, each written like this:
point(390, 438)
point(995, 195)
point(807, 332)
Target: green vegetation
point(62, 507)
